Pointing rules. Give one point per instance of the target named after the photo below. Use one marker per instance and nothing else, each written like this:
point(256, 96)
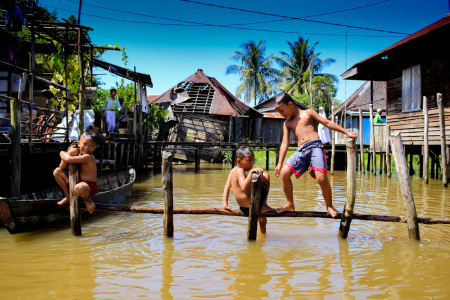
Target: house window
point(411, 89)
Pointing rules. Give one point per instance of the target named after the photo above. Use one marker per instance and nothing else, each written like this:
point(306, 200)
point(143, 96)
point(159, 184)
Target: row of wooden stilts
point(345, 217)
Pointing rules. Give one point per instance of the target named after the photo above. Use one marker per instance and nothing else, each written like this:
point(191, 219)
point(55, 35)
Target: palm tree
point(256, 72)
point(300, 66)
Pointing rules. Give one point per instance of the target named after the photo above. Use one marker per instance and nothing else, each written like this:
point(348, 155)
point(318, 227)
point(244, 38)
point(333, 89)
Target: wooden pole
point(361, 142)
point(278, 155)
point(267, 158)
point(405, 185)
point(346, 217)
point(238, 213)
point(333, 144)
point(31, 85)
point(443, 141)
point(167, 181)
point(254, 207)
point(16, 150)
point(372, 141)
point(120, 159)
point(75, 216)
point(388, 151)
point(233, 157)
point(127, 157)
point(426, 153)
point(197, 159)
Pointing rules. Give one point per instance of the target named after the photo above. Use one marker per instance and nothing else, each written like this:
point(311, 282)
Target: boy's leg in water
point(322, 179)
point(288, 189)
point(262, 221)
point(265, 207)
point(82, 190)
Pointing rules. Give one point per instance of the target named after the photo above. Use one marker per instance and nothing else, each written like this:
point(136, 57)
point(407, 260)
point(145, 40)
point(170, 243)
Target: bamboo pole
point(388, 151)
point(346, 217)
point(16, 150)
point(167, 181)
point(238, 213)
point(443, 141)
point(405, 185)
point(333, 144)
point(361, 144)
point(254, 207)
point(372, 141)
point(75, 216)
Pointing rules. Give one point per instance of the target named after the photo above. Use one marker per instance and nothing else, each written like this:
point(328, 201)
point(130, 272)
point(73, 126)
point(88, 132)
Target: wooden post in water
point(254, 207)
point(197, 159)
point(443, 141)
point(372, 141)
point(333, 144)
point(388, 151)
point(426, 153)
point(346, 217)
point(16, 150)
point(233, 157)
point(361, 144)
point(167, 181)
point(405, 185)
point(75, 216)
point(267, 158)
point(277, 156)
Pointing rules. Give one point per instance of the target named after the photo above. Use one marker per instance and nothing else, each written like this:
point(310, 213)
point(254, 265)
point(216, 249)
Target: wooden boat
point(27, 212)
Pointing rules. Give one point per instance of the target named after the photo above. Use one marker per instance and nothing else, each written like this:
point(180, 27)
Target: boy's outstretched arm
point(283, 149)
point(226, 193)
point(331, 125)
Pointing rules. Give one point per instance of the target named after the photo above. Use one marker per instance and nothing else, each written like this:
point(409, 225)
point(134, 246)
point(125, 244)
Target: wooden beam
point(167, 181)
point(254, 207)
point(443, 141)
point(75, 216)
point(346, 217)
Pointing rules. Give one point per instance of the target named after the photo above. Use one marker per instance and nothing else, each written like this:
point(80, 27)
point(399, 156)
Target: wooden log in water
point(405, 185)
point(443, 141)
point(167, 181)
point(346, 217)
point(254, 207)
point(426, 153)
point(238, 213)
point(75, 216)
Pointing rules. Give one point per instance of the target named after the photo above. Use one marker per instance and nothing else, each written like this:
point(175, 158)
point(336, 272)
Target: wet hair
point(91, 136)
point(285, 98)
point(243, 151)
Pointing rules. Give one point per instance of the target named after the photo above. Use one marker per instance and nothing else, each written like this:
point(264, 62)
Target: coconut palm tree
point(300, 66)
point(256, 72)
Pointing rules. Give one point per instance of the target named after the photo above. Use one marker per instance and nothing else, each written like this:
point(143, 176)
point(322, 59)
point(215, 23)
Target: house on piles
point(201, 109)
point(347, 114)
point(416, 67)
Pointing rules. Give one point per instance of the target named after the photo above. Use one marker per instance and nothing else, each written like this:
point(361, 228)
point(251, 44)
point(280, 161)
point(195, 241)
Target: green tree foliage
point(256, 72)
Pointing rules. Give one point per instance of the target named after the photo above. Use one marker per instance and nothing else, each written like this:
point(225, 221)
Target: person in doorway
point(240, 179)
point(310, 154)
point(378, 119)
point(81, 154)
point(324, 134)
point(123, 114)
point(109, 110)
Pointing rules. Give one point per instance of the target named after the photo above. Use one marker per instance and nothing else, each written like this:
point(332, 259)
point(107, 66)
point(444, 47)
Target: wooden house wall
point(272, 130)
point(435, 79)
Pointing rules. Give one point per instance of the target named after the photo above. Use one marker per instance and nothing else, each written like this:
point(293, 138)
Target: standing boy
point(309, 154)
point(123, 114)
point(240, 182)
point(109, 110)
point(87, 187)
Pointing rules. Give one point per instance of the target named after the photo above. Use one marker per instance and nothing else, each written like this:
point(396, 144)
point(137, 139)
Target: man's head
point(245, 158)
point(113, 93)
point(379, 111)
point(121, 99)
point(88, 142)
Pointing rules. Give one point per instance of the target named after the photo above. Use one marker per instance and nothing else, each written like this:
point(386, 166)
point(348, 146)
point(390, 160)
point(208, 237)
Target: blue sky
point(160, 40)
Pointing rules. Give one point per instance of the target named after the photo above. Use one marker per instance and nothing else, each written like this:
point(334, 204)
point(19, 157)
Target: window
point(411, 89)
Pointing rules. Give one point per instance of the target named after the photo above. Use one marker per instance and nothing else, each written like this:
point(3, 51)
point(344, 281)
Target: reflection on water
point(125, 256)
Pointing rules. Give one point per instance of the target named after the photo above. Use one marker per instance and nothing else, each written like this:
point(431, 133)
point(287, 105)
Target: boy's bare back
point(242, 196)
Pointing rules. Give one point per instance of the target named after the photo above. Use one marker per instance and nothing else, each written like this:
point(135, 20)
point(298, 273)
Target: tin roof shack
point(347, 114)
point(203, 110)
point(416, 66)
point(272, 122)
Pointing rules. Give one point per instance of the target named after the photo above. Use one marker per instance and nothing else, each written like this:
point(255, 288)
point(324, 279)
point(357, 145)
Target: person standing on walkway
point(110, 106)
point(378, 119)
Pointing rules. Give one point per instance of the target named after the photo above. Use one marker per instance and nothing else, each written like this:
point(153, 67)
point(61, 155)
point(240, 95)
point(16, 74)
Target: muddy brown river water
point(125, 256)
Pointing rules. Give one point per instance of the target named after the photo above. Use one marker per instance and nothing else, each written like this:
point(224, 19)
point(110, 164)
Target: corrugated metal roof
point(353, 73)
point(203, 94)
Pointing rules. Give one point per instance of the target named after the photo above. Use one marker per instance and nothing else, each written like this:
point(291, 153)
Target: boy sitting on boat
point(240, 182)
point(80, 154)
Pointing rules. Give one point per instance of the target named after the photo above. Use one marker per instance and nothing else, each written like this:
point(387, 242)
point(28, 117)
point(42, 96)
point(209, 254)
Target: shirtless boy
point(240, 181)
point(87, 187)
point(309, 154)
